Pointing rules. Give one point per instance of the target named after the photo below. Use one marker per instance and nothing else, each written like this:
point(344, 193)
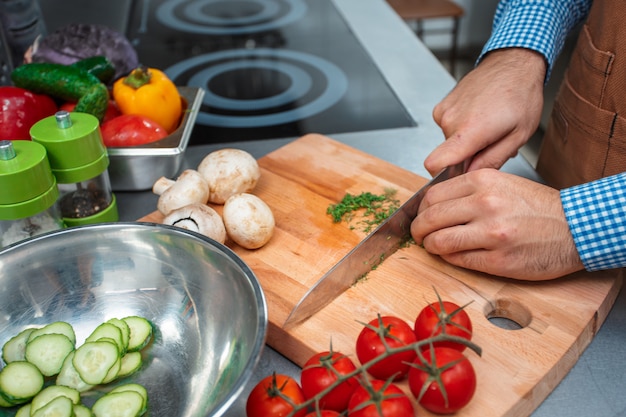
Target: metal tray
point(137, 168)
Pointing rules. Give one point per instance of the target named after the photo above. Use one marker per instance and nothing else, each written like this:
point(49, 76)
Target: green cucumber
point(58, 407)
point(66, 82)
point(94, 360)
point(13, 350)
point(51, 392)
point(140, 332)
point(48, 351)
point(117, 404)
point(60, 327)
point(99, 65)
point(20, 381)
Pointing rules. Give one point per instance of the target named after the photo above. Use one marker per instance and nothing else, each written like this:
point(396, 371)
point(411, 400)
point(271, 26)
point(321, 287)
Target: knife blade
point(369, 253)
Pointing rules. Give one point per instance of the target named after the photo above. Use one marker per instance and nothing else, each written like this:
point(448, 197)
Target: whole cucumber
point(98, 65)
point(66, 82)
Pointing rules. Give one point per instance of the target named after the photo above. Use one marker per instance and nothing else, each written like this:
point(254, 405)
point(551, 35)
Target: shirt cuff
point(596, 214)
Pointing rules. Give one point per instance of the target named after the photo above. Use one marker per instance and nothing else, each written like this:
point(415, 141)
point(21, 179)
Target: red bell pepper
point(20, 109)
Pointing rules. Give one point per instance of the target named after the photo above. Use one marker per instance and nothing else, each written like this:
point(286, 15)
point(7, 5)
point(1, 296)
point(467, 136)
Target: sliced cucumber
point(51, 392)
point(57, 327)
point(69, 377)
point(57, 407)
point(108, 331)
point(23, 411)
point(81, 410)
point(138, 388)
point(123, 326)
point(20, 381)
point(93, 360)
point(113, 372)
point(140, 332)
point(13, 350)
point(48, 352)
point(119, 404)
point(131, 363)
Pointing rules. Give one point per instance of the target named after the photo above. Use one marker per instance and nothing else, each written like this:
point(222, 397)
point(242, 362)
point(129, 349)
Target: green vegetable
point(66, 82)
point(100, 66)
point(374, 208)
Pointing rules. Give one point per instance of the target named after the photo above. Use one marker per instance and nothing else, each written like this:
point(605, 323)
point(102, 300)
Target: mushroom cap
point(198, 218)
point(249, 221)
point(190, 187)
point(229, 171)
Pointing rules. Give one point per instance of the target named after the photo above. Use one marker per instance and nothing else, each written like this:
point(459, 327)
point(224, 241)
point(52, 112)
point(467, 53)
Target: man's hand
point(492, 112)
point(497, 223)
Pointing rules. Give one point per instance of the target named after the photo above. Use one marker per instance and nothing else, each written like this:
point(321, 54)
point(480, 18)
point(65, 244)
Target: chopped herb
point(373, 209)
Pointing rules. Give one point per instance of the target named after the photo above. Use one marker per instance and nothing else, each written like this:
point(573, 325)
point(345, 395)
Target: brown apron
point(586, 136)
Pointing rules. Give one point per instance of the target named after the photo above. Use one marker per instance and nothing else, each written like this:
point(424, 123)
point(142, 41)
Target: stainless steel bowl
point(209, 312)
point(138, 167)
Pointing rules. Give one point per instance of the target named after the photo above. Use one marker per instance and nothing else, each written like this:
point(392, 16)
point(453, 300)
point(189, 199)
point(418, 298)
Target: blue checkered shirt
point(596, 211)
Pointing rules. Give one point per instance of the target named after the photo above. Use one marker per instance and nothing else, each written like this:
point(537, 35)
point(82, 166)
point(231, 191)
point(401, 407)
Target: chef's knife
point(372, 250)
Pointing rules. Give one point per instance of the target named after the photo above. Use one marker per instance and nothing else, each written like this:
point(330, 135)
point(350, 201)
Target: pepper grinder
point(79, 162)
point(29, 196)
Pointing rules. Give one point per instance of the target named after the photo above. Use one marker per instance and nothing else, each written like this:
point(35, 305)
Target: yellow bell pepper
point(150, 93)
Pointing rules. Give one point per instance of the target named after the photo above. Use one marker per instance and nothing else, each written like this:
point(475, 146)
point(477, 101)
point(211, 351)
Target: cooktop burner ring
point(268, 18)
point(336, 85)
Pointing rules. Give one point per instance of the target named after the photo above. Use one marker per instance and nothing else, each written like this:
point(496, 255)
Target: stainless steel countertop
point(594, 387)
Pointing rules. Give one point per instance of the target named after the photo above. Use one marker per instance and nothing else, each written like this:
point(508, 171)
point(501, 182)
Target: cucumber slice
point(69, 377)
point(140, 332)
point(113, 372)
point(138, 388)
point(81, 410)
point(93, 360)
point(108, 331)
point(119, 404)
point(59, 327)
point(51, 392)
point(23, 411)
point(20, 381)
point(123, 326)
point(48, 352)
point(13, 350)
point(131, 362)
point(57, 407)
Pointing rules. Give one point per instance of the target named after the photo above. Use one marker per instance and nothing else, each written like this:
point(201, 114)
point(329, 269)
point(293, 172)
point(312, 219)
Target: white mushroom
point(198, 218)
point(249, 220)
point(190, 187)
point(229, 171)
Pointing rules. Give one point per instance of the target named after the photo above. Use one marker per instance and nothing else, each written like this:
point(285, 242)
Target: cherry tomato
point(380, 334)
point(265, 398)
point(456, 375)
point(131, 130)
point(318, 374)
point(111, 112)
point(392, 400)
point(324, 413)
point(443, 314)
point(20, 109)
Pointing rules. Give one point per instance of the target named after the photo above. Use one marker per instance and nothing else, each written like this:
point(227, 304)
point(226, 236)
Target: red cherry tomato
point(380, 334)
point(265, 398)
point(392, 400)
point(111, 112)
point(20, 109)
point(317, 375)
point(131, 130)
point(457, 378)
point(324, 413)
point(443, 315)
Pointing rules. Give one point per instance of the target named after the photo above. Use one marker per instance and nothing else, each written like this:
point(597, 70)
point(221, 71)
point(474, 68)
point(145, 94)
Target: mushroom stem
point(161, 185)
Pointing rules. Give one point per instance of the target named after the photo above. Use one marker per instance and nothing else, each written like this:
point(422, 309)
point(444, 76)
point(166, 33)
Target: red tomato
point(20, 109)
point(265, 398)
point(318, 374)
point(324, 413)
point(112, 110)
point(457, 377)
point(443, 314)
point(379, 335)
point(392, 400)
point(131, 130)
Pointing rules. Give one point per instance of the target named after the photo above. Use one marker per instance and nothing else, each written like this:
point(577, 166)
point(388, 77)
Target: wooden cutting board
point(518, 368)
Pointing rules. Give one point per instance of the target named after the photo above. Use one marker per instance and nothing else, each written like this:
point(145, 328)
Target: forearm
point(596, 214)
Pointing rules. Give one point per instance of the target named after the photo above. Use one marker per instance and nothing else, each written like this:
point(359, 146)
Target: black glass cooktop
point(270, 68)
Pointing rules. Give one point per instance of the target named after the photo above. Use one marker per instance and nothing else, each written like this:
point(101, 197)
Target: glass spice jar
point(28, 200)
point(79, 162)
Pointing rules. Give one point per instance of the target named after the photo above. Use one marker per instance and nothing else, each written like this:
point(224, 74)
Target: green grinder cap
point(74, 145)
point(26, 180)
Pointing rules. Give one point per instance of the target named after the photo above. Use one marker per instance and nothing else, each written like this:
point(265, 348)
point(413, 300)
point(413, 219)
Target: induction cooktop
point(269, 68)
